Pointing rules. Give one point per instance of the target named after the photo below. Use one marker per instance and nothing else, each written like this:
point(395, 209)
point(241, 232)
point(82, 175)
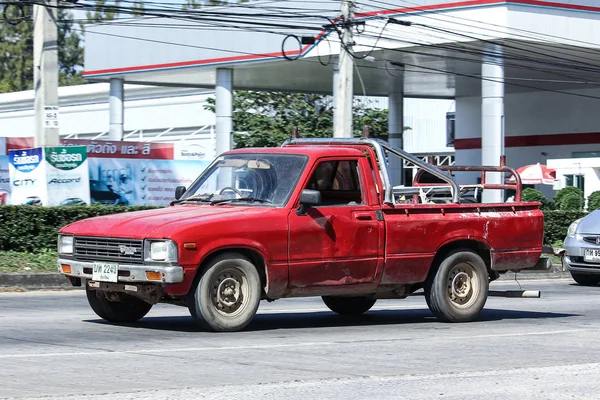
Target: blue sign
point(25, 160)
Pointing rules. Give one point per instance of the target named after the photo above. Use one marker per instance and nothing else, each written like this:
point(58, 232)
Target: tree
point(103, 11)
point(530, 194)
point(561, 195)
point(196, 4)
point(594, 201)
point(16, 50)
point(266, 119)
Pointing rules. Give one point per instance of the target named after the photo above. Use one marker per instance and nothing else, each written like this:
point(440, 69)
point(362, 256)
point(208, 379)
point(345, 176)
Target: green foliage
point(266, 119)
point(556, 223)
point(561, 194)
point(103, 12)
point(196, 4)
point(530, 194)
point(18, 262)
point(571, 202)
point(34, 229)
point(16, 50)
point(137, 8)
point(594, 201)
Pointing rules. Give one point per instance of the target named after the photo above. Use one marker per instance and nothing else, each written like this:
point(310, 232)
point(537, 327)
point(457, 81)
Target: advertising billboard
point(27, 176)
point(67, 175)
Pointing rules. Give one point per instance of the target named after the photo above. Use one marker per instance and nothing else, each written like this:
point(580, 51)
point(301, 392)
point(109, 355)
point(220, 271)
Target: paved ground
point(52, 345)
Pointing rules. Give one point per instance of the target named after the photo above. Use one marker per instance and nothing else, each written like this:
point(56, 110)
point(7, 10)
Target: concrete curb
point(34, 281)
point(59, 282)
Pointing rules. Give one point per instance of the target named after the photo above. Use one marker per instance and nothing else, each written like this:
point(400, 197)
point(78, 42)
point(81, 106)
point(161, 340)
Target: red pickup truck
point(311, 218)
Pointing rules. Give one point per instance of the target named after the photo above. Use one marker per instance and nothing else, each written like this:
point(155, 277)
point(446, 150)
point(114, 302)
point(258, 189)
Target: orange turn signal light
point(153, 276)
point(66, 269)
point(189, 246)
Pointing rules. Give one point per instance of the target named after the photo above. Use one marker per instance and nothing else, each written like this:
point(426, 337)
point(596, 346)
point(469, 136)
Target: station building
point(524, 75)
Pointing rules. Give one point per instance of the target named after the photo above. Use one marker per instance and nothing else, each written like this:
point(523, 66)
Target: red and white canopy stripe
point(535, 174)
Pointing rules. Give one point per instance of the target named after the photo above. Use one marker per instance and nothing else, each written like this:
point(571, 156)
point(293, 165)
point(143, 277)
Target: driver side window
point(338, 181)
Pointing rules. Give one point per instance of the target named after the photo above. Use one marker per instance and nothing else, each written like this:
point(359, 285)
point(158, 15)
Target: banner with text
point(27, 176)
point(140, 182)
point(67, 175)
point(4, 181)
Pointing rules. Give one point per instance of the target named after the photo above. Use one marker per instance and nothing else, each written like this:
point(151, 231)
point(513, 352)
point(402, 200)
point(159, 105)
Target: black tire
point(457, 289)
point(585, 279)
point(227, 295)
point(348, 305)
point(127, 309)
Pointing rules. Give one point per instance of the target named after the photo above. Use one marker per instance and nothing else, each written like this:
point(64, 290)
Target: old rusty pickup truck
point(310, 218)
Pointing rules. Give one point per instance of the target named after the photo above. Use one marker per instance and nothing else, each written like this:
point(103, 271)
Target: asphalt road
point(53, 346)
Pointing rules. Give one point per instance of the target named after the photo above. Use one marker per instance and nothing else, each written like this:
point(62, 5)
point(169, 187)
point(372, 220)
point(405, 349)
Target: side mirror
point(179, 191)
point(308, 198)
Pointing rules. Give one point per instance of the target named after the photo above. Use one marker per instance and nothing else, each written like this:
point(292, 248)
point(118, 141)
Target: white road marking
point(274, 346)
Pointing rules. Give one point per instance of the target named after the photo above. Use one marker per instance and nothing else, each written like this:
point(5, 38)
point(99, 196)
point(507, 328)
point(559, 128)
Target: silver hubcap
point(463, 285)
point(228, 290)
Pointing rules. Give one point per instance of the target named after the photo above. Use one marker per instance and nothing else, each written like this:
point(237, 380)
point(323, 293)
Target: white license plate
point(592, 256)
point(105, 272)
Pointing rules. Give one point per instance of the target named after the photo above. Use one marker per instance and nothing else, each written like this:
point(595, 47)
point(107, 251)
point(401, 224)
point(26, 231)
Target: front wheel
point(457, 289)
point(585, 279)
point(117, 307)
point(226, 297)
point(348, 305)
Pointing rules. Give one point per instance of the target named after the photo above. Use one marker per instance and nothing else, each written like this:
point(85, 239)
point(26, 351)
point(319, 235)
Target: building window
point(450, 129)
point(586, 154)
point(575, 180)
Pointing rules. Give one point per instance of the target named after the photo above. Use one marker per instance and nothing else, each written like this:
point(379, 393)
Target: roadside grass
point(30, 263)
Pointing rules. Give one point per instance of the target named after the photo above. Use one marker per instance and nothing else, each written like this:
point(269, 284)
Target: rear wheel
point(117, 307)
point(227, 295)
point(585, 279)
point(457, 289)
point(348, 305)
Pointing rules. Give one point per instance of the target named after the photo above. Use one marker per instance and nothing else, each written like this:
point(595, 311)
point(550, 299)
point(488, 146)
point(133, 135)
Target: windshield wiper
point(241, 199)
point(192, 199)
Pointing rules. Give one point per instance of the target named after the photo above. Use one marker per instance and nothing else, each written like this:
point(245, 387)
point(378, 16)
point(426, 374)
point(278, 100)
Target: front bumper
point(127, 273)
point(575, 256)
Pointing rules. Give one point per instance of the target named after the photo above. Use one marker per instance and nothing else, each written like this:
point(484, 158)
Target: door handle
point(363, 216)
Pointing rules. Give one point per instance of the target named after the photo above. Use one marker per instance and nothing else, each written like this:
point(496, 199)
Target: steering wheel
point(231, 189)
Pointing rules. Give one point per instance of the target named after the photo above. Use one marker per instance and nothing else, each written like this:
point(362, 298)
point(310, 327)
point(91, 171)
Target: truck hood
point(158, 223)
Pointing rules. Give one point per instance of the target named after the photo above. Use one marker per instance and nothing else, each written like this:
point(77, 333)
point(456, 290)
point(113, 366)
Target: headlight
point(573, 228)
point(65, 244)
point(160, 250)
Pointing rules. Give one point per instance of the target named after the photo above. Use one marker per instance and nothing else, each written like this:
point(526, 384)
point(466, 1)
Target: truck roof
point(314, 151)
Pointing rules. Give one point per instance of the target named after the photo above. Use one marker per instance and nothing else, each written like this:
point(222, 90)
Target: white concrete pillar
point(336, 80)
point(116, 109)
point(224, 109)
point(395, 131)
point(492, 118)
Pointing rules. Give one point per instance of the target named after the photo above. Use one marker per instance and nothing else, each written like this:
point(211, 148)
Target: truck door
point(339, 241)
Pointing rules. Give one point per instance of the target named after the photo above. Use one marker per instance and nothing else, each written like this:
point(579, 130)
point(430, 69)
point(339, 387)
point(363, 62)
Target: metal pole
point(45, 74)
point(116, 110)
point(492, 118)
point(343, 106)
point(395, 131)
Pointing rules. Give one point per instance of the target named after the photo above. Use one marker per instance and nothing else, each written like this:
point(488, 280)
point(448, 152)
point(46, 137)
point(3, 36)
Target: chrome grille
point(591, 239)
point(108, 249)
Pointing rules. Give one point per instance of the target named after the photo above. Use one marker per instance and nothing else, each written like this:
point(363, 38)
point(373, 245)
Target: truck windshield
point(251, 178)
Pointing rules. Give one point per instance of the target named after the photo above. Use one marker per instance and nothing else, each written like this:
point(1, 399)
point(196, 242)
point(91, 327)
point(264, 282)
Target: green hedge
point(33, 229)
point(556, 223)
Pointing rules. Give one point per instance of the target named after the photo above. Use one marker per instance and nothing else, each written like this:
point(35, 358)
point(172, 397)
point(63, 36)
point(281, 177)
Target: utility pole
point(343, 110)
point(45, 73)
